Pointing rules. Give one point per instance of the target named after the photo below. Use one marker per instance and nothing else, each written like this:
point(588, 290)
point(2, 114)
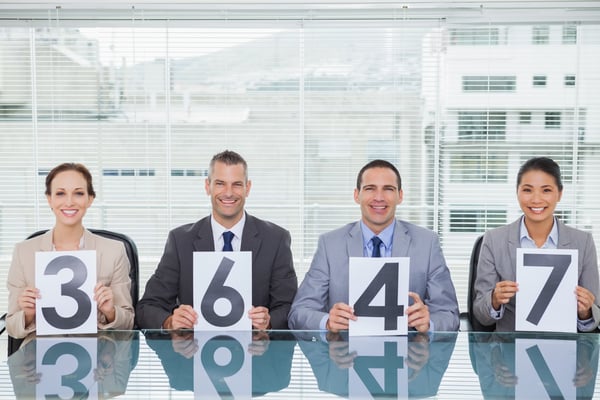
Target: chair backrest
point(475, 324)
point(132, 254)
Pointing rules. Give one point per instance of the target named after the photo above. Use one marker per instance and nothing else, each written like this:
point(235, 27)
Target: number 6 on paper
point(223, 290)
point(546, 300)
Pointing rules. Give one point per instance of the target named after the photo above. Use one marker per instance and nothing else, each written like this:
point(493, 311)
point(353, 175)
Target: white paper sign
point(546, 300)
point(66, 281)
point(378, 293)
point(545, 368)
point(223, 290)
point(379, 369)
point(223, 366)
point(66, 367)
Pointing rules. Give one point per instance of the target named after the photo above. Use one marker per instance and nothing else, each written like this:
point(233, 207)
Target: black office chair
point(132, 254)
point(475, 325)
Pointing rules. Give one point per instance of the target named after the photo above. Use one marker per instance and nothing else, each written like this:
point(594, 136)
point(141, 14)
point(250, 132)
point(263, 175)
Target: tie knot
point(227, 238)
point(376, 246)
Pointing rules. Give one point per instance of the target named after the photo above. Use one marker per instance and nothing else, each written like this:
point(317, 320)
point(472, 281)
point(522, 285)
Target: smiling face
point(378, 197)
point(228, 188)
point(538, 195)
point(69, 198)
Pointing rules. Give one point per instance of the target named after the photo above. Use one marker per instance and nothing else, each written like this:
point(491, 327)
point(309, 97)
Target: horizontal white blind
point(145, 104)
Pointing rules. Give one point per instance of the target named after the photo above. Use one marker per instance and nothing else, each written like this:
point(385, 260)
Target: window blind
point(457, 104)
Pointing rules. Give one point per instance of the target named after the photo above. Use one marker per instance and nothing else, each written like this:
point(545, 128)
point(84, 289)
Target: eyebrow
point(384, 186)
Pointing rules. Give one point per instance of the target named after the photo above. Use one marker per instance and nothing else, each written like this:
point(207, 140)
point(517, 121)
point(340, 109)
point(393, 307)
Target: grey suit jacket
point(498, 260)
point(274, 281)
point(326, 282)
point(112, 268)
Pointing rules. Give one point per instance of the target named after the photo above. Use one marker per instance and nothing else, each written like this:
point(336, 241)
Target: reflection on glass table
point(74, 367)
point(230, 364)
point(389, 366)
point(529, 365)
point(302, 365)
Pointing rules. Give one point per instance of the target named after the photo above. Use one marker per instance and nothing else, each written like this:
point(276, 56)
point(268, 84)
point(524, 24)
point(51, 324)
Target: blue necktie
point(227, 237)
point(376, 244)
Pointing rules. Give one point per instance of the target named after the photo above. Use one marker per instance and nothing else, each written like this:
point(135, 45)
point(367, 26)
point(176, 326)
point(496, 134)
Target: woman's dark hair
point(70, 167)
point(543, 164)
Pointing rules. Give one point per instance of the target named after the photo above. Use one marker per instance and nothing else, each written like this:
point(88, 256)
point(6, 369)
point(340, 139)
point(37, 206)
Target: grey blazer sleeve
point(485, 283)
point(310, 305)
point(588, 274)
point(440, 295)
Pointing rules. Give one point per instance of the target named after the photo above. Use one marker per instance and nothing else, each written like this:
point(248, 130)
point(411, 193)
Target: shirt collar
point(81, 241)
point(527, 241)
point(218, 229)
point(386, 237)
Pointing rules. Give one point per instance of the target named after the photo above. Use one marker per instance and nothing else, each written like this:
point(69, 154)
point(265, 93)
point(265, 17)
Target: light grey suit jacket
point(112, 269)
point(498, 260)
point(326, 282)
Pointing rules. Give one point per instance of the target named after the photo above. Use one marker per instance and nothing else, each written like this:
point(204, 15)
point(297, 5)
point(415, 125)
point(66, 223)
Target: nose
point(69, 199)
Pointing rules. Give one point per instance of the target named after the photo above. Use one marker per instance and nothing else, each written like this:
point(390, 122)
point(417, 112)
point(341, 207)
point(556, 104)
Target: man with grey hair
point(168, 299)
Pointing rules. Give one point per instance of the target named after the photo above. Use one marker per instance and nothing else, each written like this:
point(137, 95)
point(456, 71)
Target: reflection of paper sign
point(546, 299)
point(222, 365)
point(66, 368)
point(223, 290)
point(379, 295)
point(66, 281)
point(380, 368)
point(545, 369)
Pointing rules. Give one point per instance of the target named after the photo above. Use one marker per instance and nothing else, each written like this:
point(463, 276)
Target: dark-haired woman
point(70, 193)
point(539, 189)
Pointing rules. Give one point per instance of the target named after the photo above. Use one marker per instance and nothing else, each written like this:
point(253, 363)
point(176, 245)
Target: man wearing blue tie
point(322, 299)
point(168, 299)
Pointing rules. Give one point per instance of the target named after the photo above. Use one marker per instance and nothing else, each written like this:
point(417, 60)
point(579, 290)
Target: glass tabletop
point(302, 365)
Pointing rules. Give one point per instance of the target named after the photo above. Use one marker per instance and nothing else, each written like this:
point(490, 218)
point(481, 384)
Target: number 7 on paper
point(546, 299)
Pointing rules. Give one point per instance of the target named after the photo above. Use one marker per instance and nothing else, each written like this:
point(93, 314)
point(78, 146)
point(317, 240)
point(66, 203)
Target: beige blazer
point(112, 267)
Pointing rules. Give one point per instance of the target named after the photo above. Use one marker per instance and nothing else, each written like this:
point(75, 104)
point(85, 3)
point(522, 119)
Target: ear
point(248, 186)
point(400, 196)
point(207, 186)
point(91, 200)
point(48, 200)
point(356, 193)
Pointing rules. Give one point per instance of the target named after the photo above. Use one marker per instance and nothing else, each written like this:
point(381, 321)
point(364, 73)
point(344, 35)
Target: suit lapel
point(251, 238)
point(354, 242)
point(564, 236)
point(46, 241)
point(89, 241)
point(400, 241)
point(204, 237)
point(514, 242)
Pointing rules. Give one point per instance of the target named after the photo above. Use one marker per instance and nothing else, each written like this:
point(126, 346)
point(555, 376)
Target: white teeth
point(70, 212)
point(538, 209)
